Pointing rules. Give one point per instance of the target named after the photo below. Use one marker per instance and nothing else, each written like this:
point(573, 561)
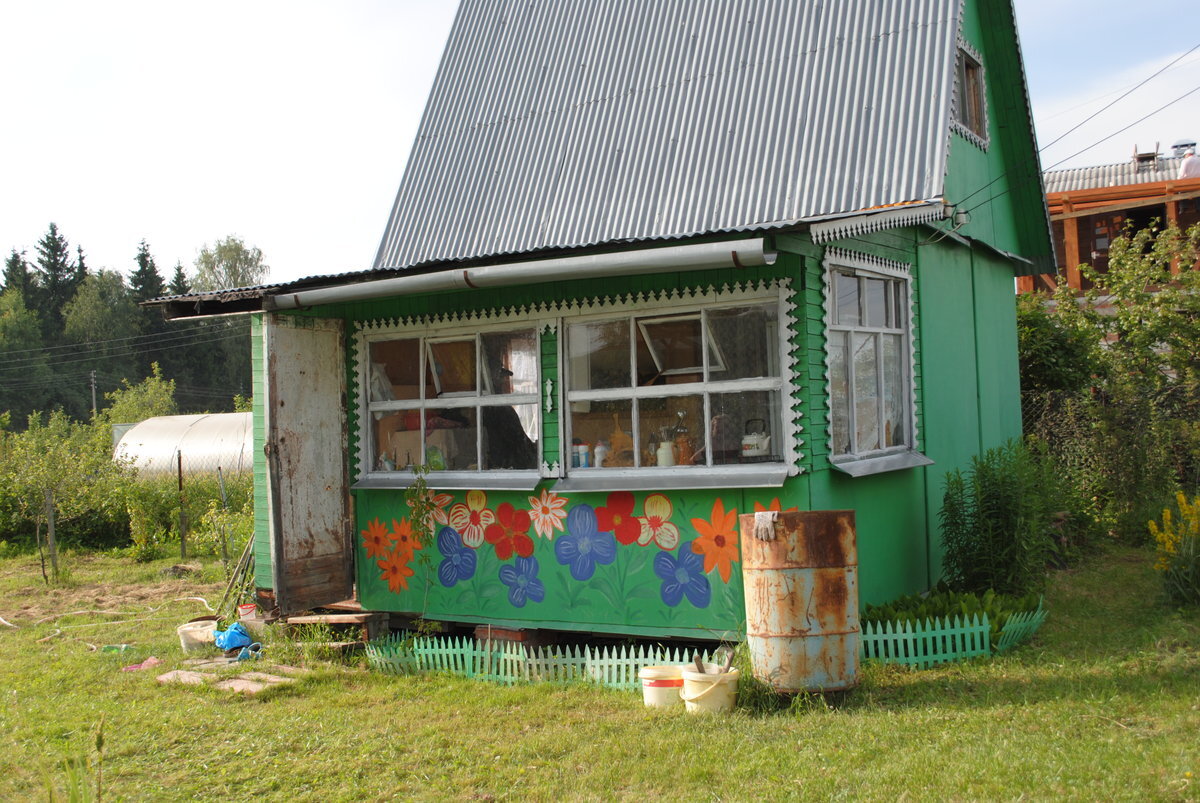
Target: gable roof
point(560, 124)
point(1165, 168)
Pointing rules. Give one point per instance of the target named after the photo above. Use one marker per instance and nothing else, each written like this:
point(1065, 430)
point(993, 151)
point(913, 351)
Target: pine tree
point(56, 280)
point(146, 282)
point(17, 275)
point(179, 284)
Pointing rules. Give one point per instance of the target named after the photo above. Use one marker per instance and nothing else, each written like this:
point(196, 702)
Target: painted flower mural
point(548, 512)
point(656, 524)
point(509, 533)
point(616, 517)
point(682, 576)
point(406, 539)
point(458, 561)
point(376, 539)
point(396, 571)
point(522, 581)
point(438, 502)
point(718, 541)
point(584, 545)
point(471, 518)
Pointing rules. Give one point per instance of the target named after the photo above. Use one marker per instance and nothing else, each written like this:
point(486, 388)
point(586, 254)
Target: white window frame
point(722, 475)
point(886, 458)
point(428, 334)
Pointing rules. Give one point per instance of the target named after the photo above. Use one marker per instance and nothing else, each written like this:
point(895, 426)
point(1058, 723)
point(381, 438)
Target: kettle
point(756, 443)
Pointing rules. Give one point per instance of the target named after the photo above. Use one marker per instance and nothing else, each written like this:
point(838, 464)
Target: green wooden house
point(653, 264)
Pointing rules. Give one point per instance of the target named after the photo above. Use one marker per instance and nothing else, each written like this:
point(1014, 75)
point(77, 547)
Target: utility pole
point(93, 393)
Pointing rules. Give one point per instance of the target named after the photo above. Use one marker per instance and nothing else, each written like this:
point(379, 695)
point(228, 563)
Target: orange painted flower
point(472, 518)
point(718, 541)
point(376, 539)
point(656, 524)
point(548, 512)
point(395, 571)
point(758, 508)
point(406, 540)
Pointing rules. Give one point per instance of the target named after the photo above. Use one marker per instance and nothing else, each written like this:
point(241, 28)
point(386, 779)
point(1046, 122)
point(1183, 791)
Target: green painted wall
point(262, 536)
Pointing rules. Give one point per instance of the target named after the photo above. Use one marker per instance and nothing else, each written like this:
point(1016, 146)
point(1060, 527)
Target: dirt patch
point(24, 606)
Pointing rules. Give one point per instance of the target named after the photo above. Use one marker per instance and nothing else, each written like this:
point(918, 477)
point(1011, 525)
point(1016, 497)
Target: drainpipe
point(703, 256)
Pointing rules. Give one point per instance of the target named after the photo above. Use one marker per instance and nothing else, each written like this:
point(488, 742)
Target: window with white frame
point(869, 358)
point(463, 401)
point(674, 388)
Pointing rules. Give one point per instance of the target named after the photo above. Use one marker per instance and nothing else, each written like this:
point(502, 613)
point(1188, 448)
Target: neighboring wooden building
point(1091, 206)
point(651, 265)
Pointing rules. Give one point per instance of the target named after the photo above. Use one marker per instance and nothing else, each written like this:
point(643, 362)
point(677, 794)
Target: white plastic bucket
point(195, 636)
point(247, 611)
point(661, 685)
point(709, 692)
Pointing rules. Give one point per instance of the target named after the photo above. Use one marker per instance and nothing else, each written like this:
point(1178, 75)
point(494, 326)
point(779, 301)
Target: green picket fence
point(938, 641)
point(512, 662)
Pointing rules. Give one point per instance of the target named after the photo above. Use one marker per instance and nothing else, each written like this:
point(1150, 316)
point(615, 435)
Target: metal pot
point(756, 443)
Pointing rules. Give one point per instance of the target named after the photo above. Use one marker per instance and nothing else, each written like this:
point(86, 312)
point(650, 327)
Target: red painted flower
point(377, 539)
point(395, 571)
point(510, 532)
point(718, 541)
point(406, 540)
point(617, 517)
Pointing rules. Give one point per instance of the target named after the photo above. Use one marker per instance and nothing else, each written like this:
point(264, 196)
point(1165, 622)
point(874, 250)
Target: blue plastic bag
point(233, 638)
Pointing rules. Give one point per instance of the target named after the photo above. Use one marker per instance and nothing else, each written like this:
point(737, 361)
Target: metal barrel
point(800, 572)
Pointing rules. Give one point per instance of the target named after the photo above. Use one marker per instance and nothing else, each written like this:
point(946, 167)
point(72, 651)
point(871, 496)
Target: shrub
point(943, 603)
point(1178, 556)
point(996, 522)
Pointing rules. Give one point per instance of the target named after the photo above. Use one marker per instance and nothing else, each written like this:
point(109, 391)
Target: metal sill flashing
point(878, 465)
point(454, 480)
point(765, 476)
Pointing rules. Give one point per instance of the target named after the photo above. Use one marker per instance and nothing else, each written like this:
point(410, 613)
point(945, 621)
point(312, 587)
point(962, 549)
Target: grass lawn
point(1104, 703)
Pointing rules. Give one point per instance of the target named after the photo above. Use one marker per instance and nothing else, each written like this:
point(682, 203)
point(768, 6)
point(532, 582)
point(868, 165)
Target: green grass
point(1103, 703)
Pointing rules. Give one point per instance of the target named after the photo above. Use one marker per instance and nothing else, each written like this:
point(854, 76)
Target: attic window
point(970, 113)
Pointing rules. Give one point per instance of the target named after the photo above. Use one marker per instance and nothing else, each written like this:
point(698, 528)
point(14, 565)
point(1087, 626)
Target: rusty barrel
point(801, 579)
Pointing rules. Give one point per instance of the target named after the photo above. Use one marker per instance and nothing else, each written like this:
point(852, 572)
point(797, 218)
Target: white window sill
point(762, 475)
point(454, 480)
point(866, 466)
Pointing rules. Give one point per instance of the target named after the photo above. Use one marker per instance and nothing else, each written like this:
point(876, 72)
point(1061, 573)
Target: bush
point(1178, 556)
point(996, 522)
point(943, 603)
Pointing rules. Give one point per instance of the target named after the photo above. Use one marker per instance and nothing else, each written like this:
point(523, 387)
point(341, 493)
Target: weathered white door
point(306, 456)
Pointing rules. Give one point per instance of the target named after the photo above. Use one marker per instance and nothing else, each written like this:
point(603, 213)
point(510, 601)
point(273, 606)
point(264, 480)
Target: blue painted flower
point(522, 581)
point(683, 574)
point(458, 560)
point(584, 545)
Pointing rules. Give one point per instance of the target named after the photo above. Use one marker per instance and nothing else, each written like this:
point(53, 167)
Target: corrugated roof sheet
point(1118, 175)
point(567, 123)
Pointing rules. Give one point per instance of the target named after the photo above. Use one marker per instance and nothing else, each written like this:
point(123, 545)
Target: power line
point(132, 353)
point(152, 337)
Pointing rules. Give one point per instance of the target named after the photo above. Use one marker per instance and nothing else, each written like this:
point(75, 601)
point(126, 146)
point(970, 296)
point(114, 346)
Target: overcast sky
point(288, 123)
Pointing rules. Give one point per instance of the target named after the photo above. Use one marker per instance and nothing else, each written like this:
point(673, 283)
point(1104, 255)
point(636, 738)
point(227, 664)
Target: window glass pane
point(897, 308)
point(598, 355)
point(745, 428)
point(846, 294)
point(672, 431)
point(875, 302)
point(669, 347)
point(452, 367)
point(606, 426)
point(866, 394)
point(894, 423)
point(510, 362)
point(396, 441)
point(508, 441)
point(451, 438)
point(395, 369)
point(744, 342)
point(839, 394)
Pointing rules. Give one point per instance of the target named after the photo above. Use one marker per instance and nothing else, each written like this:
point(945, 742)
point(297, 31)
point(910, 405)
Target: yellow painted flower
point(656, 523)
point(472, 518)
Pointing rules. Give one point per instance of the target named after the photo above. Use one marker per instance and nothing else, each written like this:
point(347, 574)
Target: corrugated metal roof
point(567, 123)
point(1118, 175)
